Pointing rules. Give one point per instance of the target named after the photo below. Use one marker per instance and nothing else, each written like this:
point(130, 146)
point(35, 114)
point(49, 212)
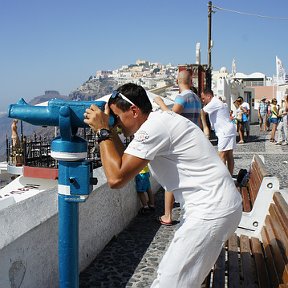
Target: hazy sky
point(58, 44)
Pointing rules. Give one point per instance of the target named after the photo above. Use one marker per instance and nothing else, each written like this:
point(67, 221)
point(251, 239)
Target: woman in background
point(273, 119)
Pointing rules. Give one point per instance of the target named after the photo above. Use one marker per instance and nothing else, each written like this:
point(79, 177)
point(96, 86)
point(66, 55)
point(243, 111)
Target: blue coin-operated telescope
point(75, 181)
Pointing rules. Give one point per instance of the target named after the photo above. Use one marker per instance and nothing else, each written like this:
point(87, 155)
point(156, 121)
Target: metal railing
point(35, 151)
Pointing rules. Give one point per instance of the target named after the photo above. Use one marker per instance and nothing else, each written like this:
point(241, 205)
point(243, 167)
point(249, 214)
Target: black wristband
point(103, 134)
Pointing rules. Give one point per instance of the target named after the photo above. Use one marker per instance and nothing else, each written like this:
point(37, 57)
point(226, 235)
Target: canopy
point(169, 103)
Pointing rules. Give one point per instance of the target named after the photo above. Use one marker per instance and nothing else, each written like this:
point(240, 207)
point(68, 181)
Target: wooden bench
point(256, 255)
point(256, 261)
point(257, 173)
point(257, 196)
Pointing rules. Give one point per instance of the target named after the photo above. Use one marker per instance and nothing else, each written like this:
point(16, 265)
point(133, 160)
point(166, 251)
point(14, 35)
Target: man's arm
point(117, 142)
point(177, 108)
point(206, 129)
point(119, 167)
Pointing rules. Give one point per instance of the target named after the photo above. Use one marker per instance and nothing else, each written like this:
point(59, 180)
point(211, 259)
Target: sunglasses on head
point(116, 94)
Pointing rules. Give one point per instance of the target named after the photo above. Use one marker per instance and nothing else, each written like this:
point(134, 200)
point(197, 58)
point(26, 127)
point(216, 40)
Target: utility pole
point(209, 33)
point(208, 71)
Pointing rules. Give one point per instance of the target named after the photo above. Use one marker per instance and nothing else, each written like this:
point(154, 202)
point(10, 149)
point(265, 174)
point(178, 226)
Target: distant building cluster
point(147, 74)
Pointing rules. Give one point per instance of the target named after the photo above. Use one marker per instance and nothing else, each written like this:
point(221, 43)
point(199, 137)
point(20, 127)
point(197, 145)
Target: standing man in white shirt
point(225, 130)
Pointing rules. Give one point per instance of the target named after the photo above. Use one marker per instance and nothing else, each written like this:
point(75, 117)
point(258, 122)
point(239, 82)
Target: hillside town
point(228, 84)
point(145, 73)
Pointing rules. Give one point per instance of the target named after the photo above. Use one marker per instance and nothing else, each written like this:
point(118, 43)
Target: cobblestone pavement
point(131, 258)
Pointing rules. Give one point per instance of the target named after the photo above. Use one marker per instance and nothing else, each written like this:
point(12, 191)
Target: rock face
point(49, 94)
point(93, 89)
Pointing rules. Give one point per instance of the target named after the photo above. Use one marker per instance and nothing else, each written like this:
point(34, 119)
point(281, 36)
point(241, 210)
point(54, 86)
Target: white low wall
point(29, 232)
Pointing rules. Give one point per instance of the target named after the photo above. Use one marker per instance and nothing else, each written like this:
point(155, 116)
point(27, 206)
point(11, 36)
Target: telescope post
point(73, 187)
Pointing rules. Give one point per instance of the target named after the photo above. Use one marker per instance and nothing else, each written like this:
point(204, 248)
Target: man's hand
point(97, 119)
point(158, 100)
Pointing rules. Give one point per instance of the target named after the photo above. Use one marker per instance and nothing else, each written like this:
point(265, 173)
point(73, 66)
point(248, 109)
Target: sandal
point(162, 222)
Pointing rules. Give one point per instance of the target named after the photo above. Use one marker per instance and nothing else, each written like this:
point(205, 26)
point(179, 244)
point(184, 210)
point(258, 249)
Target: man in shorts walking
point(224, 129)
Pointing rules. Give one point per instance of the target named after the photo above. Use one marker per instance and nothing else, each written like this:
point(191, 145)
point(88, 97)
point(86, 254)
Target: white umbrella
point(169, 103)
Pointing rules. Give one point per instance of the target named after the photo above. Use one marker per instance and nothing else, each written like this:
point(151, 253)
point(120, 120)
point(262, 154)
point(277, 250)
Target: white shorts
point(194, 250)
point(226, 143)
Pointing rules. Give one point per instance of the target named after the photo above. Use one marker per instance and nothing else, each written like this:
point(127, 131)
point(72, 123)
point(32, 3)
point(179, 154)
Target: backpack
point(242, 177)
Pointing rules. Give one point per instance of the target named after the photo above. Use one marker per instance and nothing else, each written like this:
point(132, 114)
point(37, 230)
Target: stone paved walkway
point(132, 257)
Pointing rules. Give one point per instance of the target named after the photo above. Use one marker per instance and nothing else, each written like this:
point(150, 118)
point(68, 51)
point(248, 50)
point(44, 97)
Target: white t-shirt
point(219, 118)
point(183, 161)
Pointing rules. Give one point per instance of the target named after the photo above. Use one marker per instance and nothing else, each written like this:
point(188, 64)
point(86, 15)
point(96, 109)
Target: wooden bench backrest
point(275, 239)
point(257, 173)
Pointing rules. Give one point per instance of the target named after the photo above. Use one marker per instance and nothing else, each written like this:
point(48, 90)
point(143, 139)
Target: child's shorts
point(142, 182)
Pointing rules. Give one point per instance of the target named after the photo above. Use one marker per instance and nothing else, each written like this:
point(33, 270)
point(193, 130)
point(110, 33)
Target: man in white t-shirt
point(224, 129)
point(183, 161)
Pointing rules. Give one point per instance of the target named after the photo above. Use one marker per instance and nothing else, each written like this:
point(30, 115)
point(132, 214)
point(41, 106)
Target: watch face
point(104, 133)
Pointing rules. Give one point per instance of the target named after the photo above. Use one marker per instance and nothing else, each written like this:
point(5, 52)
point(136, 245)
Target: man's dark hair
point(136, 94)
point(208, 91)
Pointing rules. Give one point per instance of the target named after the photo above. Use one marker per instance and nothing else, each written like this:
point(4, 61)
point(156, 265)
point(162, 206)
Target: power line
point(250, 14)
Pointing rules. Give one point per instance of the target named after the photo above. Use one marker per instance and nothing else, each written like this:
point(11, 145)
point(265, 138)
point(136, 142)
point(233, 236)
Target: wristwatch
point(103, 134)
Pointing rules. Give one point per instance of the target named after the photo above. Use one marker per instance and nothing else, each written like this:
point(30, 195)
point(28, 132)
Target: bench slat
point(269, 259)
point(233, 262)
point(219, 271)
point(279, 230)
point(253, 187)
point(247, 207)
point(283, 210)
point(262, 274)
point(248, 265)
point(254, 183)
point(281, 266)
point(255, 179)
point(261, 166)
point(257, 172)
